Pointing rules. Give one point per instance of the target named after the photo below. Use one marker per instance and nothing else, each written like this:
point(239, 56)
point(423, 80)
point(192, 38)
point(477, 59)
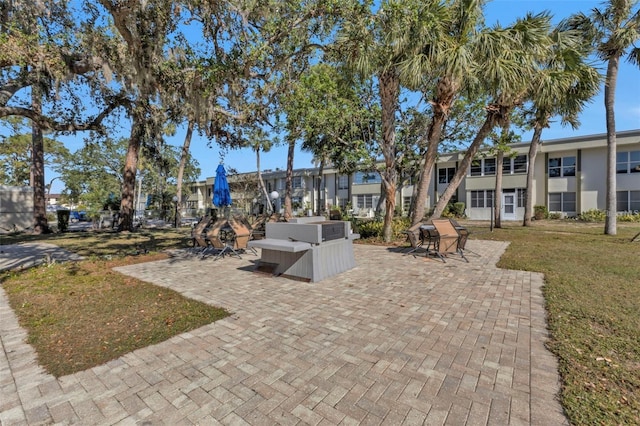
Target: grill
point(309, 248)
point(332, 231)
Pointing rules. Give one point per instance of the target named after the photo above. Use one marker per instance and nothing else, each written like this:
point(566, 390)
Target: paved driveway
point(397, 340)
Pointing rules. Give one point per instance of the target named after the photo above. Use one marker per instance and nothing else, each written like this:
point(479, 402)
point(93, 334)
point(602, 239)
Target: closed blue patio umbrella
point(221, 193)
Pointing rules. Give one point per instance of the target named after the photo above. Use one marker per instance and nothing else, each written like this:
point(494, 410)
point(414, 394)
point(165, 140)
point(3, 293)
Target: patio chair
point(198, 235)
point(222, 238)
point(414, 237)
point(448, 241)
point(243, 233)
point(464, 236)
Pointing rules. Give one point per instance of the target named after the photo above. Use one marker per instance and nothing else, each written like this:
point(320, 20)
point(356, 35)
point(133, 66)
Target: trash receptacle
point(63, 220)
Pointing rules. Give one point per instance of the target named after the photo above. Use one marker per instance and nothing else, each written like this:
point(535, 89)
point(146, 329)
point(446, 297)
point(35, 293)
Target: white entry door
point(509, 206)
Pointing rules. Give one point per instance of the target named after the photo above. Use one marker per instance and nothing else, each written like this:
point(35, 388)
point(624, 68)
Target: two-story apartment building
point(569, 178)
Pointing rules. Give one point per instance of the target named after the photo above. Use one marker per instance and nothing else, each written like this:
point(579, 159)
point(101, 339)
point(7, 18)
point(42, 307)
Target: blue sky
point(627, 107)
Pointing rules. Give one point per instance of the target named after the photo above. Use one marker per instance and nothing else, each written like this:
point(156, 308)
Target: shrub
point(458, 209)
point(540, 212)
point(454, 210)
point(555, 216)
point(592, 215)
point(370, 229)
point(627, 217)
point(373, 228)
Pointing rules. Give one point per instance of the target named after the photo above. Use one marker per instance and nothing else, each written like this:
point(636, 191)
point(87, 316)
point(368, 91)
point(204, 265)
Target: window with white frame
point(296, 182)
point(562, 166)
point(489, 167)
point(628, 201)
point(483, 167)
point(515, 165)
point(521, 193)
point(562, 202)
point(628, 162)
point(364, 201)
point(482, 198)
point(360, 178)
point(343, 182)
point(445, 174)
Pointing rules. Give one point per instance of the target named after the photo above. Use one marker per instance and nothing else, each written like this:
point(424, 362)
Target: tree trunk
point(40, 224)
point(320, 207)
point(484, 131)
point(610, 224)
point(263, 187)
point(446, 90)
point(288, 208)
point(389, 92)
point(183, 161)
point(533, 152)
point(497, 193)
point(129, 176)
point(434, 135)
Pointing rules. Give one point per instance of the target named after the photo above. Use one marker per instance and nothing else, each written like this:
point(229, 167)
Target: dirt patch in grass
point(79, 315)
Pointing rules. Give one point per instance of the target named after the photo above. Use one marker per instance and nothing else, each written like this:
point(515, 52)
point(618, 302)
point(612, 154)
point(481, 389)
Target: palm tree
point(510, 58)
point(564, 84)
point(454, 63)
point(389, 45)
point(614, 29)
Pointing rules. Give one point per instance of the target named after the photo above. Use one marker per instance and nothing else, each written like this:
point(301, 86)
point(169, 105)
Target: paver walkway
point(397, 340)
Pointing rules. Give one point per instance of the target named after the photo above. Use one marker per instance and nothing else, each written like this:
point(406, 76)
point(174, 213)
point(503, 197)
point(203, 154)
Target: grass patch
point(107, 243)
point(82, 314)
point(592, 292)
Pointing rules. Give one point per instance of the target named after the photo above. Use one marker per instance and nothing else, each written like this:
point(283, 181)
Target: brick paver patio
point(397, 340)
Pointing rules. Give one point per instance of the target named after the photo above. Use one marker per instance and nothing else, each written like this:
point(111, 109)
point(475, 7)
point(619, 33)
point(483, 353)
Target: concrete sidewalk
point(397, 340)
point(27, 255)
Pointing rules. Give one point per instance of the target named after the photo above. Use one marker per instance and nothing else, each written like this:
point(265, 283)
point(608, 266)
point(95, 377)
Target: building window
point(628, 162)
point(489, 168)
point(562, 166)
point(296, 182)
point(628, 201)
point(516, 165)
point(483, 167)
point(476, 168)
point(406, 203)
point(480, 199)
point(521, 194)
point(365, 201)
point(445, 174)
point(562, 202)
point(343, 182)
point(361, 178)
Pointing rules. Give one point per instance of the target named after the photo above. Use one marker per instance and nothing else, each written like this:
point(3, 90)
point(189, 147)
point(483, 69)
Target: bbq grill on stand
point(309, 248)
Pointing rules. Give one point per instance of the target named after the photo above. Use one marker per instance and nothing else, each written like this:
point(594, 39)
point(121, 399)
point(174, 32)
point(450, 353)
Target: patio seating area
point(438, 238)
point(395, 340)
